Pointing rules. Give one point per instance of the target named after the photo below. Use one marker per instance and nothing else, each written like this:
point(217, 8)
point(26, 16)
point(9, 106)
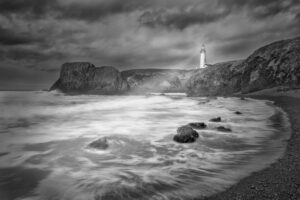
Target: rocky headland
point(85, 78)
point(276, 64)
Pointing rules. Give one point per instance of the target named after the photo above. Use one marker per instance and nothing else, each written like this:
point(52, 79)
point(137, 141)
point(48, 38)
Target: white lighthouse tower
point(202, 57)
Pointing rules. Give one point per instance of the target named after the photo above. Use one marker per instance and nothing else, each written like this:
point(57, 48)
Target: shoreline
point(280, 180)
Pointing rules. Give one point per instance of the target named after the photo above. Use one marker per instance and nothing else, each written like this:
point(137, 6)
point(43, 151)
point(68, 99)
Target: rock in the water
point(186, 134)
point(198, 125)
point(100, 144)
point(82, 77)
point(223, 129)
point(217, 119)
point(238, 112)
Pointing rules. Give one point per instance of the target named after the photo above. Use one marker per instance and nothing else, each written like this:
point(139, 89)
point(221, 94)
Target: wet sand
point(281, 180)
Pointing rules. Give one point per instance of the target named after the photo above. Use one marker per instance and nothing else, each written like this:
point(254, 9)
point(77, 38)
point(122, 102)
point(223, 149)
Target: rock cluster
point(185, 134)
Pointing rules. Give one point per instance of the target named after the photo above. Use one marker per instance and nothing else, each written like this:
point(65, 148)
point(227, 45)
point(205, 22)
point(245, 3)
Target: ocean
point(44, 153)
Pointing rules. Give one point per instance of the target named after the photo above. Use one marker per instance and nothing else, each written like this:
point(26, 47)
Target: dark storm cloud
point(31, 7)
point(153, 12)
point(10, 37)
point(179, 20)
point(257, 9)
point(260, 9)
point(98, 10)
point(92, 10)
point(29, 54)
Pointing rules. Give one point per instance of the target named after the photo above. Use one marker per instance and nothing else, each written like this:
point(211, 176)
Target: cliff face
point(86, 78)
point(272, 65)
point(83, 77)
point(219, 79)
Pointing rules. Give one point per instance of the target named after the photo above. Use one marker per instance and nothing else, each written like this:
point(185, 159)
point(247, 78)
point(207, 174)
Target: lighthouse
point(202, 57)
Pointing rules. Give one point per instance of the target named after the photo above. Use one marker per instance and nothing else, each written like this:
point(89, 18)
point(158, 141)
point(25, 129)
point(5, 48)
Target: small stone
point(223, 129)
point(217, 119)
point(198, 125)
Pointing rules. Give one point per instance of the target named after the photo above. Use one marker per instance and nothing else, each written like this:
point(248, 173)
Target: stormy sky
point(37, 36)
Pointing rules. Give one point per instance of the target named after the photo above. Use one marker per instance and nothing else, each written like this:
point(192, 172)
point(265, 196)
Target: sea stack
point(84, 77)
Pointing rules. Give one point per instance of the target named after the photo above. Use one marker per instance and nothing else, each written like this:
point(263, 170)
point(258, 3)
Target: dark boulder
point(223, 129)
point(238, 112)
point(198, 125)
point(100, 144)
point(186, 134)
point(217, 119)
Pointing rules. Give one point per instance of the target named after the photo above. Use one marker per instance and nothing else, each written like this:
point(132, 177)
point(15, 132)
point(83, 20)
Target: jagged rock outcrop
point(156, 80)
point(83, 77)
point(273, 65)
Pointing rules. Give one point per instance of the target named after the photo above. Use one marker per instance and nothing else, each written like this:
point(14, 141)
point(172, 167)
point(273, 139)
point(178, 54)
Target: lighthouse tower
point(202, 57)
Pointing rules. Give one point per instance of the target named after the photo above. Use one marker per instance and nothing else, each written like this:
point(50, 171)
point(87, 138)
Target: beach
point(281, 180)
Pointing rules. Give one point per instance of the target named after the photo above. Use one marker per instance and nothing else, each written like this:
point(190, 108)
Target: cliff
point(277, 64)
point(273, 65)
point(218, 79)
point(83, 77)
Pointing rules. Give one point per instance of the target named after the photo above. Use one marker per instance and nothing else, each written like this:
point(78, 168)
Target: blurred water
point(44, 138)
